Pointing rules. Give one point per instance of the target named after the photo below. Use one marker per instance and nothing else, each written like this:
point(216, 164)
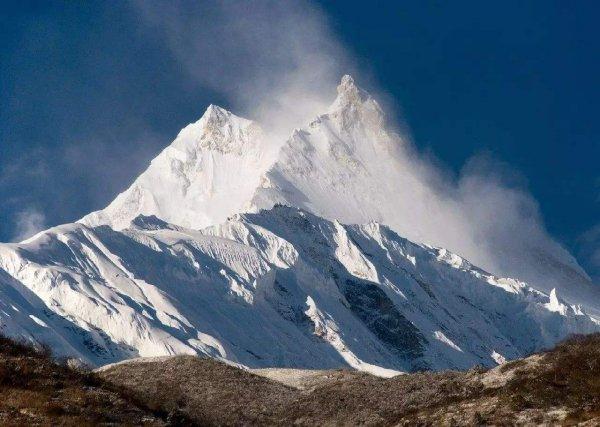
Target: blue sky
point(91, 92)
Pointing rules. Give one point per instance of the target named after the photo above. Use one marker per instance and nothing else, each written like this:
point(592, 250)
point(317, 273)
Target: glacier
point(294, 253)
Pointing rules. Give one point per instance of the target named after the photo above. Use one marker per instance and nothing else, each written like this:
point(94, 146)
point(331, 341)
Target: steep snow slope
point(24, 315)
point(279, 288)
point(345, 165)
point(208, 172)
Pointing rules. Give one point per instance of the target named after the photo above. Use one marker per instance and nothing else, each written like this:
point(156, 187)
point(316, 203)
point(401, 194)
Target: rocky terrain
point(557, 387)
point(561, 386)
point(36, 390)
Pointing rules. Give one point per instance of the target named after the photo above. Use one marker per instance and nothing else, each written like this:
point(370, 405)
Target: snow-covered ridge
point(206, 174)
point(346, 164)
point(278, 288)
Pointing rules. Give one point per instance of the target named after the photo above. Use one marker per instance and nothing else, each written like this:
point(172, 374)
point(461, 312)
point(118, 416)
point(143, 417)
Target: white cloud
point(28, 222)
point(275, 61)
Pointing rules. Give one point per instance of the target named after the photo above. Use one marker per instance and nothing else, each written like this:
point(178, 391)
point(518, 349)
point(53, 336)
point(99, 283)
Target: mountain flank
point(282, 288)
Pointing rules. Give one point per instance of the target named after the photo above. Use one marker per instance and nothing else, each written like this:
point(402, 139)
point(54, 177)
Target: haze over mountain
point(199, 256)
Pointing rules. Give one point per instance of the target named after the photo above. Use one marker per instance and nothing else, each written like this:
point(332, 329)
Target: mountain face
point(347, 165)
point(237, 247)
point(278, 288)
point(205, 175)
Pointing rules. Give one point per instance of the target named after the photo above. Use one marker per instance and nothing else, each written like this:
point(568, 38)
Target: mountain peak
point(216, 114)
point(354, 105)
point(209, 171)
point(349, 93)
point(220, 130)
point(347, 85)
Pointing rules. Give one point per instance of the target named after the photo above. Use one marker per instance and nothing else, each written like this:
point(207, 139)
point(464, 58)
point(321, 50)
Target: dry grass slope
point(35, 390)
point(558, 386)
point(207, 391)
point(568, 377)
point(561, 386)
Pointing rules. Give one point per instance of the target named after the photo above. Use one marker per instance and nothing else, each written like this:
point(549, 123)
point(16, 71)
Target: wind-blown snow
point(347, 165)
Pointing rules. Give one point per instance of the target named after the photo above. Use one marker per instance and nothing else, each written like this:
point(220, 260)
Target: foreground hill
point(35, 390)
point(561, 386)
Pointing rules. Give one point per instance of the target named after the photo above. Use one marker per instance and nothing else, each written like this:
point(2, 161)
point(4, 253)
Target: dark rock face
point(373, 307)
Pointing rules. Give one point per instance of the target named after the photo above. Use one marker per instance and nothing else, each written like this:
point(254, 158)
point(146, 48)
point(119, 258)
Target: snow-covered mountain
point(233, 245)
point(345, 165)
point(205, 175)
point(277, 288)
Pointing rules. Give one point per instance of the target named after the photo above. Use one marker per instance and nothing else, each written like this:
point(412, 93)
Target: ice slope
point(206, 174)
point(278, 288)
point(25, 316)
point(345, 165)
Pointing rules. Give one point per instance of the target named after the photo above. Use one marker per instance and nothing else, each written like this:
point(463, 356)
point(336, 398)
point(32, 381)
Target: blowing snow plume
point(28, 222)
point(277, 63)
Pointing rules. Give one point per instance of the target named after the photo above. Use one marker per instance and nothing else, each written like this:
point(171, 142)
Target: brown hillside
point(34, 389)
point(558, 386)
point(561, 386)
